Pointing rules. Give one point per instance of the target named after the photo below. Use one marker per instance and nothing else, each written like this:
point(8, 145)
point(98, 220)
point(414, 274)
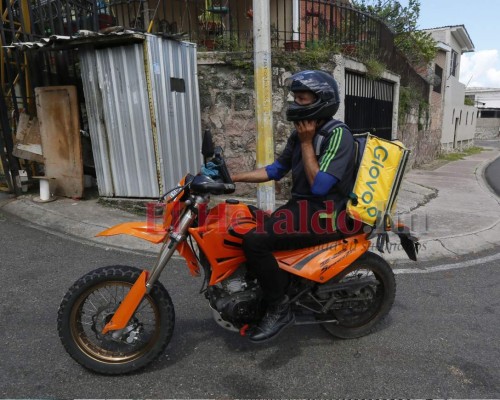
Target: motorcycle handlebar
point(216, 188)
point(221, 165)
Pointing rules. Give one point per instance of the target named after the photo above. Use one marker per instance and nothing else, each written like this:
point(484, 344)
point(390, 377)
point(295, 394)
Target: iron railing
point(295, 24)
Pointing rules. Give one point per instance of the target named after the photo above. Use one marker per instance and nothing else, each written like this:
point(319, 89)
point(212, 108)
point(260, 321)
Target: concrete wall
point(488, 128)
point(458, 124)
point(459, 120)
point(441, 36)
point(436, 99)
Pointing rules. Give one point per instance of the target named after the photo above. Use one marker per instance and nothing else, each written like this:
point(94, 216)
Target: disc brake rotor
point(97, 307)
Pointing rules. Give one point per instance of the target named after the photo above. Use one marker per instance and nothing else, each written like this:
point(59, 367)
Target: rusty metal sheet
point(57, 109)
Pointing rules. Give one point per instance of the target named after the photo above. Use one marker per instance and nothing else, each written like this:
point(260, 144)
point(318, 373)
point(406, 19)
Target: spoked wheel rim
point(360, 308)
point(94, 309)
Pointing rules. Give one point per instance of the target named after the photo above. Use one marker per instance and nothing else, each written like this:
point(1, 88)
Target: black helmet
point(323, 85)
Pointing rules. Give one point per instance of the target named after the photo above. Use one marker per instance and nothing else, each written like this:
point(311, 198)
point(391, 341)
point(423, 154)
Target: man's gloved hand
point(210, 169)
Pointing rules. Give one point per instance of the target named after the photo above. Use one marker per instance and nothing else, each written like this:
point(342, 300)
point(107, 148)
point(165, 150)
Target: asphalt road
point(492, 172)
point(440, 340)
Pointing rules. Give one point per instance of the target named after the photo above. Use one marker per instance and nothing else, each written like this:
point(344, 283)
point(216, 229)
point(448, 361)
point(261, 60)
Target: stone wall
point(416, 133)
point(228, 109)
point(487, 128)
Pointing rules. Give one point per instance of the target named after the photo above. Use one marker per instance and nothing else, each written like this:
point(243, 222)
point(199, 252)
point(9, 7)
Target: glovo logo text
point(380, 154)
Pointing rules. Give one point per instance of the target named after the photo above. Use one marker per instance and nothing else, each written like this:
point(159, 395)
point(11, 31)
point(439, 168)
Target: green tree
point(418, 46)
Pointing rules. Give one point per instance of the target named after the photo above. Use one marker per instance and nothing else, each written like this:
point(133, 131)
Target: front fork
point(146, 280)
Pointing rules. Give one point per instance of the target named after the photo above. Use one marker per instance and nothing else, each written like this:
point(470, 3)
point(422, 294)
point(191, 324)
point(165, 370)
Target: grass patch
point(460, 155)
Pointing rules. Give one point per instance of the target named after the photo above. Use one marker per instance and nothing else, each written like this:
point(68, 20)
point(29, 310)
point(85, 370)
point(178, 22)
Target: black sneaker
point(276, 318)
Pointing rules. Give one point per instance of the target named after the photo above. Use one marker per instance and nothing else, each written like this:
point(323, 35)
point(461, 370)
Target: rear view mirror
point(207, 145)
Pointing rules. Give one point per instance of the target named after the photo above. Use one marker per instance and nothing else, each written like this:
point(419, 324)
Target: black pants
point(297, 224)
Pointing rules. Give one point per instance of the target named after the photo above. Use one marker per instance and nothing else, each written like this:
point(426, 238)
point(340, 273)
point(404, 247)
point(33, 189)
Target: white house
point(487, 100)
point(484, 97)
point(458, 121)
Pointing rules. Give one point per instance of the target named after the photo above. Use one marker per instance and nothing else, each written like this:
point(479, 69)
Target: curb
point(448, 246)
point(59, 224)
point(480, 170)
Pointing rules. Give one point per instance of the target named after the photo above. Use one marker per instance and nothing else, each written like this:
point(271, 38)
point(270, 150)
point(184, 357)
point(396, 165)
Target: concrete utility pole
point(263, 98)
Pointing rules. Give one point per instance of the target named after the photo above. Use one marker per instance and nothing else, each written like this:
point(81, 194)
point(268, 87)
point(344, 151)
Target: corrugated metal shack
point(142, 104)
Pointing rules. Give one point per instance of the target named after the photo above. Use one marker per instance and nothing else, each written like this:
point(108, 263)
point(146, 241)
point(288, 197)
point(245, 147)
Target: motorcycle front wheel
point(90, 304)
point(358, 312)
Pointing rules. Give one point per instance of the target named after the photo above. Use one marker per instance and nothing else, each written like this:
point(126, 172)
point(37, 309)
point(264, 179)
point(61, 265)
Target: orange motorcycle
point(118, 319)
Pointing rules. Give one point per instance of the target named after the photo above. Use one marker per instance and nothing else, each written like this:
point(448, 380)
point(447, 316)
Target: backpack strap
point(330, 125)
point(325, 133)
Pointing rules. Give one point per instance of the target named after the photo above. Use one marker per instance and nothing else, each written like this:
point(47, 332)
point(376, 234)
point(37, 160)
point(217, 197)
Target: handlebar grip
point(221, 164)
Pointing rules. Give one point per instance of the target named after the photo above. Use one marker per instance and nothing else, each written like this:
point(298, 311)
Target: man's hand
point(255, 176)
point(306, 130)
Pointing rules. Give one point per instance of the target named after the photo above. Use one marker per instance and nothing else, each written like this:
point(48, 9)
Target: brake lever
point(221, 163)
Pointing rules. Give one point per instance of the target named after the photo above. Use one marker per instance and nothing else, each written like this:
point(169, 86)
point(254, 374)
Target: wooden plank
point(57, 109)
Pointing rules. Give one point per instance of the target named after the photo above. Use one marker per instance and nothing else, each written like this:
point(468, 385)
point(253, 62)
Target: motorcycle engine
point(237, 301)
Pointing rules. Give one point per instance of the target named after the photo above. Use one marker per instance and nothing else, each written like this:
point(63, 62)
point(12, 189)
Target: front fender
point(141, 230)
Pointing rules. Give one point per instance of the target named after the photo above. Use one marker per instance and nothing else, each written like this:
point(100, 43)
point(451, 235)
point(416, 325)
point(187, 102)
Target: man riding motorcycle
point(322, 165)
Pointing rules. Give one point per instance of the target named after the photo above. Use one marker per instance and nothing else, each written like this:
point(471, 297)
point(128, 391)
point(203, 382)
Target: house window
point(489, 114)
point(454, 63)
point(438, 71)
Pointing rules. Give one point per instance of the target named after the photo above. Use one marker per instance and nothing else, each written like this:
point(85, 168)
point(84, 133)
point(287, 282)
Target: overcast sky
point(482, 21)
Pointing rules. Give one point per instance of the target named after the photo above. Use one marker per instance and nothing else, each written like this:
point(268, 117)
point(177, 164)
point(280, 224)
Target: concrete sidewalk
point(451, 209)
point(464, 215)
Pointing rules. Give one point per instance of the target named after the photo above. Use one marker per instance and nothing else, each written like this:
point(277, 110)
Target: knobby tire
point(80, 334)
point(349, 329)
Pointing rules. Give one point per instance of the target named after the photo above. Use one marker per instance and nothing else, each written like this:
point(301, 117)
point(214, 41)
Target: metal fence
point(369, 105)
point(227, 24)
point(295, 24)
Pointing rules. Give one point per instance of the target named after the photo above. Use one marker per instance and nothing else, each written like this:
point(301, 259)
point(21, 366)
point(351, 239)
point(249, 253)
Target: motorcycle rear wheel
point(91, 302)
point(362, 319)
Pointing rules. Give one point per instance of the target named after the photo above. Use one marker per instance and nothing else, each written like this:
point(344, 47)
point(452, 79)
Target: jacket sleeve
point(283, 163)
point(337, 153)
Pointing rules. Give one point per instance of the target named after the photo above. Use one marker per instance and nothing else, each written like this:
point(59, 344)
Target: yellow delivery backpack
point(380, 173)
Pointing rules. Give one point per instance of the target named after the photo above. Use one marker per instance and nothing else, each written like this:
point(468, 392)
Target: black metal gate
point(369, 105)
